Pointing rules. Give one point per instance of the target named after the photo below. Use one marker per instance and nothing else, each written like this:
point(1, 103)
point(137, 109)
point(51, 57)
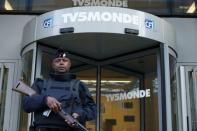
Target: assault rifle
point(21, 87)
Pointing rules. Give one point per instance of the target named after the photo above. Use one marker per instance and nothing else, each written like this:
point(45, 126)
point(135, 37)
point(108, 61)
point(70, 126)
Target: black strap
point(74, 88)
point(46, 84)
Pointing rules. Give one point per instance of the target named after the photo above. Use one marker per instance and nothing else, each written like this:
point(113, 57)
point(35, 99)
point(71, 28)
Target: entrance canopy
point(99, 32)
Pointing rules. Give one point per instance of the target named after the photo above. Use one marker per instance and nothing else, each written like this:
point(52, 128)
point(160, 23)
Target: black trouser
point(54, 129)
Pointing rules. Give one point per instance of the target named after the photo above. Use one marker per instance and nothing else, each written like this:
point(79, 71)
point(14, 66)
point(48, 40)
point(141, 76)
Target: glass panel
point(118, 112)
point(26, 76)
point(46, 67)
point(129, 96)
point(173, 86)
point(157, 7)
point(193, 98)
point(88, 76)
point(83, 71)
point(3, 96)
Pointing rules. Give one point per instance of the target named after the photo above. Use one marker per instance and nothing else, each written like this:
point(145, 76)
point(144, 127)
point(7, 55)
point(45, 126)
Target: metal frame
point(185, 78)
point(183, 98)
point(159, 72)
point(167, 88)
point(187, 70)
point(28, 48)
point(9, 112)
point(15, 97)
point(194, 78)
point(110, 62)
point(179, 101)
point(1, 75)
point(98, 98)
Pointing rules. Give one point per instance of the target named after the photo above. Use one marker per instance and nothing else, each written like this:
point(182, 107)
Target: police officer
point(60, 91)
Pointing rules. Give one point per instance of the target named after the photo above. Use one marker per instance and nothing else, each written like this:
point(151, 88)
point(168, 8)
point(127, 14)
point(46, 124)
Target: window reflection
point(192, 98)
point(159, 7)
point(3, 95)
point(26, 76)
point(129, 96)
point(118, 112)
point(88, 76)
point(173, 85)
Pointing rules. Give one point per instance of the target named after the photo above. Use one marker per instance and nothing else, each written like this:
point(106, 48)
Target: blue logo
point(149, 23)
point(48, 23)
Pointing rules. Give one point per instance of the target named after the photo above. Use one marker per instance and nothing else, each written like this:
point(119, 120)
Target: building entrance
point(121, 54)
point(126, 88)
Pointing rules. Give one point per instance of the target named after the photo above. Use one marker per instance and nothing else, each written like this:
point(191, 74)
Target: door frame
point(33, 47)
point(12, 98)
point(185, 72)
point(164, 113)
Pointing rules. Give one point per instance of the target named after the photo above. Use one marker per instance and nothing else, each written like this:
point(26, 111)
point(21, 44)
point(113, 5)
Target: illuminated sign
point(97, 16)
point(112, 3)
point(128, 95)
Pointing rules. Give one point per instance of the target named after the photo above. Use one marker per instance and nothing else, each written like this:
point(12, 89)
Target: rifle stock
point(23, 88)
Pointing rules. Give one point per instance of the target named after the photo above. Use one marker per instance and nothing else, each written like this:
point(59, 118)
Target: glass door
point(129, 95)
point(6, 83)
point(127, 89)
point(27, 75)
point(188, 86)
point(191, 98)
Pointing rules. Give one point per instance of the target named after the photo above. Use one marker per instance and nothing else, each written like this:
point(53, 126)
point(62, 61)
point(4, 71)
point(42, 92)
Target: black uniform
point(73, 95)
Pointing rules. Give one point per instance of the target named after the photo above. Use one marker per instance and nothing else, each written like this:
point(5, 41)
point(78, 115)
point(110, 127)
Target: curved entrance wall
point(99, 20)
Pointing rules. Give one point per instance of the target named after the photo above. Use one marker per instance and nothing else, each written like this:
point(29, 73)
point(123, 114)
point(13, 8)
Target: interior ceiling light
point(107, 81)
point(8, 5)
point(192, 8)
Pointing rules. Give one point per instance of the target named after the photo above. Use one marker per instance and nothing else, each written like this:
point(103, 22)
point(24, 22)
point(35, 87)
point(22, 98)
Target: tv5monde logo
point(149, 24)
point(48, 23)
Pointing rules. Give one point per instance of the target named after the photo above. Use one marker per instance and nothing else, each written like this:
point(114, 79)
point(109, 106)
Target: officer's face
point(61, 65)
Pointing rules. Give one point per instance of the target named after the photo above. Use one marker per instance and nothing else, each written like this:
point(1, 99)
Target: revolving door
point(123, 56)
point(127, 89)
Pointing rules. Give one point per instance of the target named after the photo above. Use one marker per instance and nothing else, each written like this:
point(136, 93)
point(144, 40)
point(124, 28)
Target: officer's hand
point(71, 123)
point(53, 103)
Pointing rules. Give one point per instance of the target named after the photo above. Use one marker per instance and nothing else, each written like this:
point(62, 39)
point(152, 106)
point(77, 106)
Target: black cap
point(61, 54)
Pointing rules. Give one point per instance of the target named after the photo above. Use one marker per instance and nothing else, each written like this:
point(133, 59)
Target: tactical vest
point(65, 92)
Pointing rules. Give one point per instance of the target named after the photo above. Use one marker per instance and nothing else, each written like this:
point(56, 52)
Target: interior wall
point(186, 36)
point(11, 30)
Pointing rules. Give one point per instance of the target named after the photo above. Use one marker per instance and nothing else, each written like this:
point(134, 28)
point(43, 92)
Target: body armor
point(65, 92)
